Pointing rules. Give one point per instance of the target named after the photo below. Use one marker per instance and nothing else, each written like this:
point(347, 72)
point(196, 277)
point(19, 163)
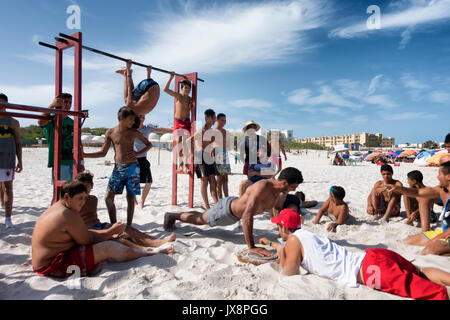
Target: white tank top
point(327, 259)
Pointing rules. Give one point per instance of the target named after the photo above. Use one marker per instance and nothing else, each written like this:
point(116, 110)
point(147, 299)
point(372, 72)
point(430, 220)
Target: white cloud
point(227, 36)
point(251, 103)
point(333, 110)
point(412, 83)
point(330, 124)
point(406, 37)
point(214, 103)
point(359, 118)
point(408, 14)
point(381, 100)
point(373, 84)
point(326, 96)
point(32, 95)
point(409, 116)
point(440, 96)
point(94, 94)
point(299, 96)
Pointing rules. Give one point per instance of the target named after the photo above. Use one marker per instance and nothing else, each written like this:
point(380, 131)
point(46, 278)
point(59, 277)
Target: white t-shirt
point(327, 259)
point(138, 145)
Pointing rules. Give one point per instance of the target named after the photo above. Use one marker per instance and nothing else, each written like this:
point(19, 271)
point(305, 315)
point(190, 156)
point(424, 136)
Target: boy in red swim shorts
point(61, 239)
point(182, 122)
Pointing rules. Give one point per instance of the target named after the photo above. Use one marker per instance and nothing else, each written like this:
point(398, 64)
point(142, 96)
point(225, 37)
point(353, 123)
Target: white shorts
point(6, 175)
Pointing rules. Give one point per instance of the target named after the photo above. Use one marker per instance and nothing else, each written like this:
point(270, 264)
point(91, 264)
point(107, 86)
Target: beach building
point(364, 139)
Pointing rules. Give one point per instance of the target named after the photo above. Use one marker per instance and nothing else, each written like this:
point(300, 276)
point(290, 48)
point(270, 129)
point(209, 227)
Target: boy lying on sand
point(378, 269)
point(335, 208)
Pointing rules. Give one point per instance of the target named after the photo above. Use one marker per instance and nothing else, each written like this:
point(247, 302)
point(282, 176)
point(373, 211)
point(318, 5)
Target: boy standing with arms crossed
point(126, 169)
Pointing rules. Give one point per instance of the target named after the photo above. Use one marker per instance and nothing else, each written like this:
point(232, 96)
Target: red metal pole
point(77, 103)
point(43, 110)
point(57, 143)
point(193, 78)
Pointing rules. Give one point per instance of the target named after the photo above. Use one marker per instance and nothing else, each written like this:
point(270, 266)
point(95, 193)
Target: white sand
point(204, 265)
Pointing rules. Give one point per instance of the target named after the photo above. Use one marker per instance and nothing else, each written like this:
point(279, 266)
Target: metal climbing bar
point(106, 54)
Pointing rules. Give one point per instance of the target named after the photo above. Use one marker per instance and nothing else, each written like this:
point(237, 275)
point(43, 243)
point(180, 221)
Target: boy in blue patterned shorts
point(126, 171)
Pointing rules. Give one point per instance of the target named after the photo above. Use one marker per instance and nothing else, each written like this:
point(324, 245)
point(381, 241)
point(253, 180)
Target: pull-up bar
point(82, 114)
point(105, 54)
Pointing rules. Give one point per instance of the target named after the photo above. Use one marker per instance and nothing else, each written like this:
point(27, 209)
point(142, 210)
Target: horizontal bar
point(68, 37)
point(62, 40)
point(24, 115)
point(47, 45)
point(120, 58)
point(82, 114)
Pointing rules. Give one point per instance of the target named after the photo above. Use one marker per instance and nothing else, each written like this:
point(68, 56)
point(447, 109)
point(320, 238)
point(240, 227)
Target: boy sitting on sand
point(126, 169)
point(379, 203)
point(416, 206)
point(88, 213)
point(335, 208)
point(61, 239)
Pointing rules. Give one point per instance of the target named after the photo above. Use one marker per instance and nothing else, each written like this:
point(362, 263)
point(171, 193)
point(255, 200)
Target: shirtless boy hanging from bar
point(143, 98)
point(182, 120)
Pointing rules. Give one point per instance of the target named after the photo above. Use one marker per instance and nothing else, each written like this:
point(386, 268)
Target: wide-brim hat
point(250, 123)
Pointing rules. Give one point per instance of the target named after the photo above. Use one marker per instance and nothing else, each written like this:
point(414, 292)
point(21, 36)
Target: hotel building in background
point(364, 139)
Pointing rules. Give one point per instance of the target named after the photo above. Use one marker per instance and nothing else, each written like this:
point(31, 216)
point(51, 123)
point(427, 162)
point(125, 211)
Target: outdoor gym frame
point(57, 118)
point(76, 40)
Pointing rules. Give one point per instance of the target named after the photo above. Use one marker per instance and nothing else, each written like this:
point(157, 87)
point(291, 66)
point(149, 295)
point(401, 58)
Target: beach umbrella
point(167, 138)
point(98, 139)
point(407, 153)
point(153, 137)
point(398, 152)
point(392, 154)
point(422, 158)
point(434, 160)
point(365, 156)
point(374, 155)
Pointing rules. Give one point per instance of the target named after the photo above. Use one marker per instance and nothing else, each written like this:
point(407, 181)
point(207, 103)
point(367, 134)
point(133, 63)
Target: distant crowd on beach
point(70, 233)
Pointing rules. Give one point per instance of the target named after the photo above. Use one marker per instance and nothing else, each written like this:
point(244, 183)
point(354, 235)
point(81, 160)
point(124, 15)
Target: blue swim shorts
point(125, 174)
point(142, 88)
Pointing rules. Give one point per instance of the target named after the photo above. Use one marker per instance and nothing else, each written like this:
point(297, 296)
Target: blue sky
point(308, 65)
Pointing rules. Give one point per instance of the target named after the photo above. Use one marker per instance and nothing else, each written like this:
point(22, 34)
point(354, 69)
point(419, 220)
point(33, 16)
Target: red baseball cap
point(288, 218)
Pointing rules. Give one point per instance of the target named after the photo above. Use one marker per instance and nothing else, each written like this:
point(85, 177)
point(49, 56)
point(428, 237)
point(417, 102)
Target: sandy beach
point(204, 265)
